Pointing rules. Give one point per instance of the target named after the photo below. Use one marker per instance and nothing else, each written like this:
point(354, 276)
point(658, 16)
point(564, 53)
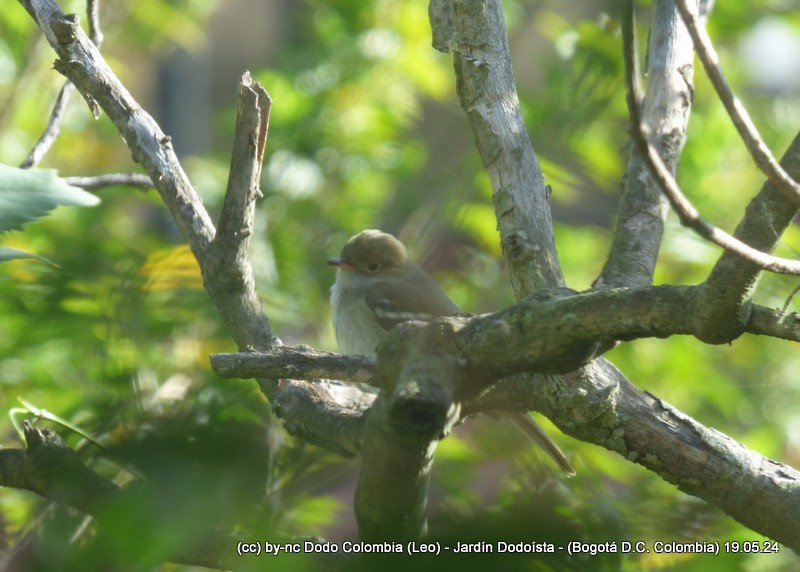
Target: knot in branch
point(422, 373)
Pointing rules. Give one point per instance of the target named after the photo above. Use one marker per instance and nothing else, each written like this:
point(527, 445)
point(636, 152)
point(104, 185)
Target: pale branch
point(687, 213)
point(666, 107)
point(252, 122)
point(53, 129)
point(540, 334)
point(759, 151)
point(81, 62)
point(325, 412)
point(111, 179)
point(604, 408)
point(475, 32)
point(294, 363)
point(227, 271)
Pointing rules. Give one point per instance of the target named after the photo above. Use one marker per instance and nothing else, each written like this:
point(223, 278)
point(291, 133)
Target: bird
point(378, 286)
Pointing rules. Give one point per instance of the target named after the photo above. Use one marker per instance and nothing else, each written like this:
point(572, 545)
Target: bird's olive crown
point(371, 251)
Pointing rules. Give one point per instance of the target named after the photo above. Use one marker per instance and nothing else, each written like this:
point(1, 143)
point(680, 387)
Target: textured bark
point(667, 104)
point(428, 372)
point(475, 32)
point(725, 308)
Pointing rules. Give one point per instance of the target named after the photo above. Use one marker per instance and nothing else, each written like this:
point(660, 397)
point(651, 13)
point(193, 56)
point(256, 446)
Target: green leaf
point(28, 194)
point(8, 253)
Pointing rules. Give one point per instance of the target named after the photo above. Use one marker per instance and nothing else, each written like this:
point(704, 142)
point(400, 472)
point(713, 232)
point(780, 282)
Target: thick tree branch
point(388, 459)
point(52, 470)
point(599, 406)
point(226, 270)
point(476, 34)
point(544, 334)
point(606, 409)
point(666, 107)
point(328, 413)
point(80, 62)
point(777, 324)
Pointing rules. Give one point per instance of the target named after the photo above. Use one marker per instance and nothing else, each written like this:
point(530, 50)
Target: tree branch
point(527, 241)
point(53, 128)
point(759, 151)
point(388, 504)
point(297, 363)
point(326, 413)
point(52, 470)
point(476, 34)
point(539, 334)
point(777, 324)
point(687, 213)
point(606, 409)
point(724, 307)
point(80, 61)
point(226, 270)
point(599, 406)
point(233, 292)
point(666, 107)
point(98, 182)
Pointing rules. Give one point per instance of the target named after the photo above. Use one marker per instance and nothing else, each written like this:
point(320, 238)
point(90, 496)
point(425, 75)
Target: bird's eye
point(373, 266)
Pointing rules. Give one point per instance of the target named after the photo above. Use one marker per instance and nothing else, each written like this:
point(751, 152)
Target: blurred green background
point(365, 132)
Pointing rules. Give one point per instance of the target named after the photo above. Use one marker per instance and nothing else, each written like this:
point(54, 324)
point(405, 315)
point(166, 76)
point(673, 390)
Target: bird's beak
point(341, 263)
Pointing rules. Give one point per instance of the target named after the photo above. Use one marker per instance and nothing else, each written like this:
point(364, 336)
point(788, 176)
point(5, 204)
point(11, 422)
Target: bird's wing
point(394, 303)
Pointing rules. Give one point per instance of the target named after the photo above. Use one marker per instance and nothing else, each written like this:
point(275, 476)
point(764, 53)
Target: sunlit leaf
point(28, 194)
point(8, 253)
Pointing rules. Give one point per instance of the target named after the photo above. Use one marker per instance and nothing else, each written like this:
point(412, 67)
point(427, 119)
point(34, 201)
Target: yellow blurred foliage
point(171, 269)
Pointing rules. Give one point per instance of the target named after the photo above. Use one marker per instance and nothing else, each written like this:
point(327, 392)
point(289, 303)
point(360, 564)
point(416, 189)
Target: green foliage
point(26, 195)
point(365, 132)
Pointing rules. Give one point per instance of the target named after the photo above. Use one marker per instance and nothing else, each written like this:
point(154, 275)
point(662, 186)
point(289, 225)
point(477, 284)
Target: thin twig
point(789, 300)
point(667, 103)
point(53, 129)
point(100, 181)
point(759, 151)
point(93, 16)
point(687, 213)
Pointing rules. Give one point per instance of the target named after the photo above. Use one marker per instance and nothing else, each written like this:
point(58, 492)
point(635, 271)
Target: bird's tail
point(532, 429)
